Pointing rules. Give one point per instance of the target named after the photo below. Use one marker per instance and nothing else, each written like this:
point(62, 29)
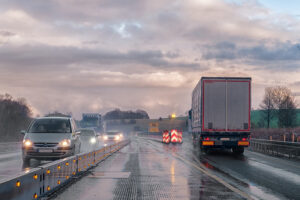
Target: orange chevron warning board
point(180, 136)
point(174, 136)
point(166, 137)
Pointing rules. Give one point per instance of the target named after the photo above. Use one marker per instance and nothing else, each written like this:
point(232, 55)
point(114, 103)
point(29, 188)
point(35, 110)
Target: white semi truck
point(221, 113)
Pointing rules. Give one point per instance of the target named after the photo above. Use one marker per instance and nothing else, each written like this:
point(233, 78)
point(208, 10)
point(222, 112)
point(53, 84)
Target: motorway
point(148, 169)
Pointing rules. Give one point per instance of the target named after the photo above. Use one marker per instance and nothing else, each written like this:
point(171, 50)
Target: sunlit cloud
point(149, 55)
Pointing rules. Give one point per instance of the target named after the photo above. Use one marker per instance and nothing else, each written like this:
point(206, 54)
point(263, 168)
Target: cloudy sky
point(93, 56)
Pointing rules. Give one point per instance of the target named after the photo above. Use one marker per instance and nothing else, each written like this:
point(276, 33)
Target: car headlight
point(27, 143)
point(117, 137)
point(121, 135)
point(65, 143)
point(93, 140)
point(105, 137)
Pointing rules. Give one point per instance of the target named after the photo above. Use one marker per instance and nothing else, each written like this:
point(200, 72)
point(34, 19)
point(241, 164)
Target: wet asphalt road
point(260, 176)
point(148, 169)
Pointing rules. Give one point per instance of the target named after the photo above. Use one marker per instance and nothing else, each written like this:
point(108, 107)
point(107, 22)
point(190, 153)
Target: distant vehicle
point(221, 113)
point(89, 136)
point(50, 138)
point(92, 120)
point(113, 136)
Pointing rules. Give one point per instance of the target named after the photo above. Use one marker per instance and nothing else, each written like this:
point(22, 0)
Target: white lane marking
point(234, 189)
point(241, 193)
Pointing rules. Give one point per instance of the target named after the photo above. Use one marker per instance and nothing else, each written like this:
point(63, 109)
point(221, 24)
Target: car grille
point(46, 154)
point(43, 144)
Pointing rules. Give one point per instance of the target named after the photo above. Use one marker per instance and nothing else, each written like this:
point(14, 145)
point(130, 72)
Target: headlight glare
point(105, 137)
point(27, 143)
point(65, 143)
point(93, 140)
point(117, 137)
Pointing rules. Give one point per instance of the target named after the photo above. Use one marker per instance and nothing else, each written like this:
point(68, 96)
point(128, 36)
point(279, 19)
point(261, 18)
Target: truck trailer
point(221, 113)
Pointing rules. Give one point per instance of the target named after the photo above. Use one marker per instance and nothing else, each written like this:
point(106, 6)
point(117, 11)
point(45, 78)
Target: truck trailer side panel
point(238, 106)
point(213, 105)
point(225, 104)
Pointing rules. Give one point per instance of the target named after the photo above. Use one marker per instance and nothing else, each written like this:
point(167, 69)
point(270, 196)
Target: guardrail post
point(284, 137)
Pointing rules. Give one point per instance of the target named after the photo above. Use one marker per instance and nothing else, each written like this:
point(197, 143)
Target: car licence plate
point(225, 139)
point(45, 150)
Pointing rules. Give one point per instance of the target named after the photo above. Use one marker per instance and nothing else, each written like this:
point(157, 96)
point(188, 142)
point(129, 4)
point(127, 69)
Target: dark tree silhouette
point(15, 115)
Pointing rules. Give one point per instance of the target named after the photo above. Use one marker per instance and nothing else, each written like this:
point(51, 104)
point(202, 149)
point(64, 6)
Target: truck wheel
point(204, 150)
point(238, 150)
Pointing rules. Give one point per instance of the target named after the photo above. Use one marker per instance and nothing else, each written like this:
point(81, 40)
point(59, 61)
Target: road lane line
point(234, 189)
point(241, 193)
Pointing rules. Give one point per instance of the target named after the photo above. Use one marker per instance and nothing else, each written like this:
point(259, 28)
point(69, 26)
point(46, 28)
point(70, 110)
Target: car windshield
point(51, 126)
point(86, 132)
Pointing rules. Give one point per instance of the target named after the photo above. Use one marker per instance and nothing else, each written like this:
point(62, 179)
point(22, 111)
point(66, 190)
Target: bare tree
point(15, 115)
point(287, 113)
point(268, 106)
point(285, 103)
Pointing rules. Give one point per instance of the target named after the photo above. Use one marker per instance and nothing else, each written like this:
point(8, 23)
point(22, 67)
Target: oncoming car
point(112, 136)
point(89, 137)
point(50, 138)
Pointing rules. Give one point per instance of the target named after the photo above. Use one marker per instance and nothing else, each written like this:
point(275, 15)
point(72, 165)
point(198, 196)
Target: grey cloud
point(229, 51)
point(39, 56)
point(6, 33)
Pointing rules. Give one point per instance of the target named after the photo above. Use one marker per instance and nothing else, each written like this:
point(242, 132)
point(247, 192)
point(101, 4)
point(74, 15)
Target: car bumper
point(52, 154)
point(225, 144)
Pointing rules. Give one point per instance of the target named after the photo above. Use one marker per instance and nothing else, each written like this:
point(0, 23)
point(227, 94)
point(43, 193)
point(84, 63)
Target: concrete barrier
point(38, 182)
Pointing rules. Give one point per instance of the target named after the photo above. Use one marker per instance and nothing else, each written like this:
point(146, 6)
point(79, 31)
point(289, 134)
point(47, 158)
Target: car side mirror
point(23, 132)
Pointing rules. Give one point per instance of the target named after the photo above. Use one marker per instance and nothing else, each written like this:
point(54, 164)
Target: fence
point(38, 182)
point(277, 148)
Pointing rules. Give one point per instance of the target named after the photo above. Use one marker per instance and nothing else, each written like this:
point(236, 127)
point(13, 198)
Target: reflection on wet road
point(147, 170)
point(260, 176)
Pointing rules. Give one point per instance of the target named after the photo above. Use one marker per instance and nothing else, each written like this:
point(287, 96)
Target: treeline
point(15, 115)
point(278, 103)
point(118, 114)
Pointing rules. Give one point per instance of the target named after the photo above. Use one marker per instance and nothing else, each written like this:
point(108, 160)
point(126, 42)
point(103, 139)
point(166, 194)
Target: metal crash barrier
point(38, 182)
point(277, 148)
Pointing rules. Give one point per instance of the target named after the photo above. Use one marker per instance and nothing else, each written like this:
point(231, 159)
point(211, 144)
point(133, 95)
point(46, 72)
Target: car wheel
point(26, 160)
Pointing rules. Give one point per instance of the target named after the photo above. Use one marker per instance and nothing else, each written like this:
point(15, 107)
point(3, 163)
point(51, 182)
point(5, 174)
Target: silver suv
point(50, 138)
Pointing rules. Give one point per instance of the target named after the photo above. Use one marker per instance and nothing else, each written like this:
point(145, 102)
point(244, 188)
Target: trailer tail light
point(208, 143)
point(243, 143)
